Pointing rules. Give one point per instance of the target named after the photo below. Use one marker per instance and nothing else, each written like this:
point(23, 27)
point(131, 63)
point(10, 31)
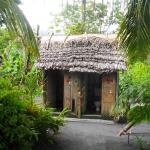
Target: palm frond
point(16, 22)
point(139, 114)
point(134, 33)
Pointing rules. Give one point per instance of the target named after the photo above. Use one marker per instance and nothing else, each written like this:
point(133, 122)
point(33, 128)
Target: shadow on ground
point(94, 136)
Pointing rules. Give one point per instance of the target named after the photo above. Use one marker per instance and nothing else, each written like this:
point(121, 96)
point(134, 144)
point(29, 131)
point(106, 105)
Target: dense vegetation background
point(24, 123)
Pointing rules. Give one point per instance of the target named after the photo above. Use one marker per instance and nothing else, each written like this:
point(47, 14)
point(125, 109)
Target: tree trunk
point(84, 10)
point(94, 5)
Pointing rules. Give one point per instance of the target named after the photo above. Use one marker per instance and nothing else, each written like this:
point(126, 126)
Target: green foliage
point(72, 13)
point(13, 57)
point(16, 127)
point(134, 33)
point(76, 29)
point(4, 40)
point(22, 124)
point(133, 88)
point(73, 21)
point(32, 85)
point(17, 1)
point(143, 111)
point(13, 63)
point(97, 18)
point(118, 15)
point(14, 66)
point(135, 83)
point(13, 18)
point(45, 124)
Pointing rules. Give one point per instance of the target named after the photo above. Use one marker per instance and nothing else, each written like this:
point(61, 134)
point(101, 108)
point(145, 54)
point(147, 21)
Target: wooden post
point(79, 105)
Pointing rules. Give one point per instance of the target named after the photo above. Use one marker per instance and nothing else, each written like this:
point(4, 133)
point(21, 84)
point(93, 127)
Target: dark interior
point(56, 89)
point(93, 93)
point(59, 90)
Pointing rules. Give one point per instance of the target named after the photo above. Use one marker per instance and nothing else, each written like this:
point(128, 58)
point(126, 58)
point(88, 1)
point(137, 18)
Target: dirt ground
point(90, 135)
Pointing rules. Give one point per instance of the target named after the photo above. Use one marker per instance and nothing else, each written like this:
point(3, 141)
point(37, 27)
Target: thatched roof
point(81, 54)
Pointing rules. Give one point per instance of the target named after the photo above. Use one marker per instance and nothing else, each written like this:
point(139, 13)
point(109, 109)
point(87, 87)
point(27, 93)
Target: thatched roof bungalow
point(81, 73)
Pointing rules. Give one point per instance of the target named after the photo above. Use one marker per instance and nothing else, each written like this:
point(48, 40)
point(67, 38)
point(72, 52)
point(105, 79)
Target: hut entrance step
point(89, 116)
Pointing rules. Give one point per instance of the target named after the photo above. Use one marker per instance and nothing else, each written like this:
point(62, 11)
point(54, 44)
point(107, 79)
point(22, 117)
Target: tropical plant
point(5, 38)
point(23, 125)
point(32, 84)
point(134, 33)
point(14, 66)
point(134, 38)
point(17, 99)
point(45, 123)
point(13, 18)
point(16, 127)
point(13, 59)
point(134, 88)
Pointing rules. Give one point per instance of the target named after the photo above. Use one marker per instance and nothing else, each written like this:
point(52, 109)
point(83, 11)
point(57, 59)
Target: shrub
point(16, 127)
point(22, 124)
point(133, 88)
point(45, 123)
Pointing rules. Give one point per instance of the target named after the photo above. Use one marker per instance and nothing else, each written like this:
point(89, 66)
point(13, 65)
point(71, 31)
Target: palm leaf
point(139, 114)
point(17, 24)
point(134, 33)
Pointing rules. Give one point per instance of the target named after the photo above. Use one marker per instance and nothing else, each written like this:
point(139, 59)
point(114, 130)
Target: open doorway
point(93, 94)
point(59, 90)
point(55, 89)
